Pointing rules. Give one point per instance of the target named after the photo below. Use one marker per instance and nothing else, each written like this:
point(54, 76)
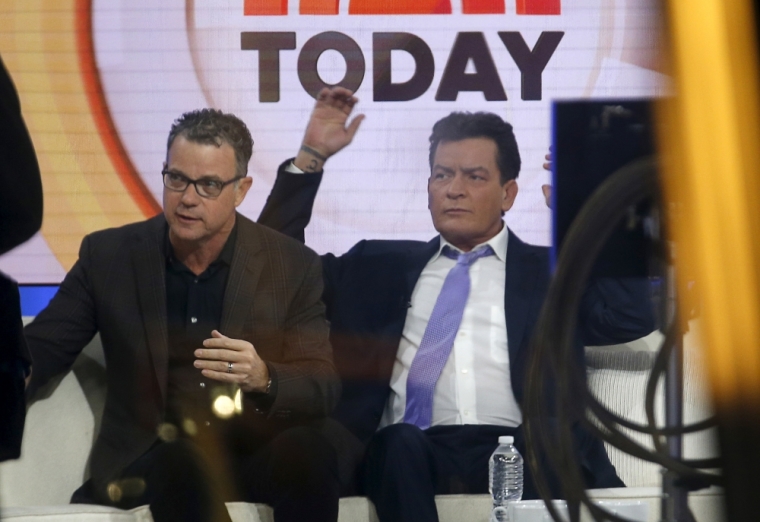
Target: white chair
point(62, 426)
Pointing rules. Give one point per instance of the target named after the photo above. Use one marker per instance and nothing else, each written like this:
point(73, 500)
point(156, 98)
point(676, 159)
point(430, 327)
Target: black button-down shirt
point(193, 309)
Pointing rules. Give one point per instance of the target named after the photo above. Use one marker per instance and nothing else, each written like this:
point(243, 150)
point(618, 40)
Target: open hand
point(328, 130)
point(232, 360)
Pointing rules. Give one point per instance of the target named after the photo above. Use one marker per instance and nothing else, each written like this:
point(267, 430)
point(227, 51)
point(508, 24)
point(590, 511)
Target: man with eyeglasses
point(217, 355)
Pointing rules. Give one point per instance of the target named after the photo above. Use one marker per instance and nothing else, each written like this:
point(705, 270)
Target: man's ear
point(241, 189)
point(509, 193)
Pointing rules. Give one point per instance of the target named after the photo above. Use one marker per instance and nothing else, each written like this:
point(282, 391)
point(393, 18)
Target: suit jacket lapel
point(521, 278)
point(150, 276)
point(247, 264)
point(418, 257)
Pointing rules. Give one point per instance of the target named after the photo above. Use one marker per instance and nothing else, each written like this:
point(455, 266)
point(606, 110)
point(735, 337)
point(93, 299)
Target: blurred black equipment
point(591, 141)
point(606, 224)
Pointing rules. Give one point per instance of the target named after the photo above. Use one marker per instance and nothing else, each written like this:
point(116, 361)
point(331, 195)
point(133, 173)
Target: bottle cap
point(506, 439)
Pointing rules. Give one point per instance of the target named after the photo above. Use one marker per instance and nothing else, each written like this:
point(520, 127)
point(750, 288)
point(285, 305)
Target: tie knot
point(467, 258)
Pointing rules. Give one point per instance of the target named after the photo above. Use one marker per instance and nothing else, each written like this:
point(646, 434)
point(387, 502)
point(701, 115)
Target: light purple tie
point(438, 339)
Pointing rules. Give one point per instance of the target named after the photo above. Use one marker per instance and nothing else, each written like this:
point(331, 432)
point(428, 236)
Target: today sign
point(469, 48)
point(410, 62)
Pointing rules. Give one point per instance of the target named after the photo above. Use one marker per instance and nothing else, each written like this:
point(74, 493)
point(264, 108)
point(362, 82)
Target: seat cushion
point(75, 513)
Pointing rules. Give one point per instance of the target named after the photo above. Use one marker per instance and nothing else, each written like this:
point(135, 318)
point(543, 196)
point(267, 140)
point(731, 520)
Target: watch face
point(142, 63)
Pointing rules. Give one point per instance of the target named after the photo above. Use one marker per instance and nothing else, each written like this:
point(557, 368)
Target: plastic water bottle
point(505, 478)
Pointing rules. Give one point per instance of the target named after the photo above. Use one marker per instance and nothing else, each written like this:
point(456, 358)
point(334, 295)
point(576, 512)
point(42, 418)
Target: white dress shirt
point(474, 386)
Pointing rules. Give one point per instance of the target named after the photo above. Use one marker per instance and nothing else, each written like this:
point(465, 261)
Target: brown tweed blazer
point(117, 288)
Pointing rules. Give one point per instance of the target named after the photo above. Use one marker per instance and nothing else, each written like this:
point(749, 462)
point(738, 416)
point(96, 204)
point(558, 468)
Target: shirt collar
point(229, 247)
point(498, 243)
point(225, 256)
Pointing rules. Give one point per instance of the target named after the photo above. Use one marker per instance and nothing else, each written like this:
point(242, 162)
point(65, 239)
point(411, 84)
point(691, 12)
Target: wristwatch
point(269, 386)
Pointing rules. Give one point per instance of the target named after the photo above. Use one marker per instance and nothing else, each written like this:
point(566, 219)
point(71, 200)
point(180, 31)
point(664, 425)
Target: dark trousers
point(295, 473)
point(405, 467)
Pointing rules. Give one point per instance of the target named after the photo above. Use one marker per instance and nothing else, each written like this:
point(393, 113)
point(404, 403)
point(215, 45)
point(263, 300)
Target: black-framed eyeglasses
point(205, 187)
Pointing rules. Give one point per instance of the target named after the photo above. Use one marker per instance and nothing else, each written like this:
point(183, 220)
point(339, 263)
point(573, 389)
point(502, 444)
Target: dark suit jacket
point(117, 288)
point(368, 290)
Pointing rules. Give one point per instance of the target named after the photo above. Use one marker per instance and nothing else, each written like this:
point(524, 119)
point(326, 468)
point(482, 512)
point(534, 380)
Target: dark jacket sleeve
point(289, 205)
point(616, 310)
point(21, 196)
point(60, 331)
point(288, 211)
point(306, 380)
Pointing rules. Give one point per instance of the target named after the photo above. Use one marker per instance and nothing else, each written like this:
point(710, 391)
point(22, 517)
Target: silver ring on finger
point(229, 367)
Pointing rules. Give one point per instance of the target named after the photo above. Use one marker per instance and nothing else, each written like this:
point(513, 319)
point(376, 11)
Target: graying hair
point(213, 127)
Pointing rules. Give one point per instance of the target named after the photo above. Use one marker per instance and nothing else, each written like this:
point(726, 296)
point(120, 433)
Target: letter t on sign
point(269, 46)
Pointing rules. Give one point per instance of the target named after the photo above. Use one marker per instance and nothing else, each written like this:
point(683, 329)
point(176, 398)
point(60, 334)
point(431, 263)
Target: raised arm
point(60, 331)
point(328, 130)
point(616, 310)
point(612, 310)
point(288, 208)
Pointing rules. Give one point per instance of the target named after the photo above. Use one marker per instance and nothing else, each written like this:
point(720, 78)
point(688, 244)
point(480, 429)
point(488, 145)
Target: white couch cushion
point(706, 505)
point(58, 436)
point(75, 513)
point(617, 377)
point(60, 431)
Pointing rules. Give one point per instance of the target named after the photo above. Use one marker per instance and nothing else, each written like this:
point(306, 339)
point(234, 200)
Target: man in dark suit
point(431, 340)
point(202, 313)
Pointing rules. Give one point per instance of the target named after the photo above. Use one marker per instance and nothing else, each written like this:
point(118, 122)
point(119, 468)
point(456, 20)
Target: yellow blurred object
point(167, 432)
point(710, 136)
point(190, 427)
point(224, 407)
point(89, 181)
point(238, 401)
point(114, 491)
point(127, 487)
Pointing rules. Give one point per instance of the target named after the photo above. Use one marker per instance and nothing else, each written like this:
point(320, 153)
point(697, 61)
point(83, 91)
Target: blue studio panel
point(35, 297)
